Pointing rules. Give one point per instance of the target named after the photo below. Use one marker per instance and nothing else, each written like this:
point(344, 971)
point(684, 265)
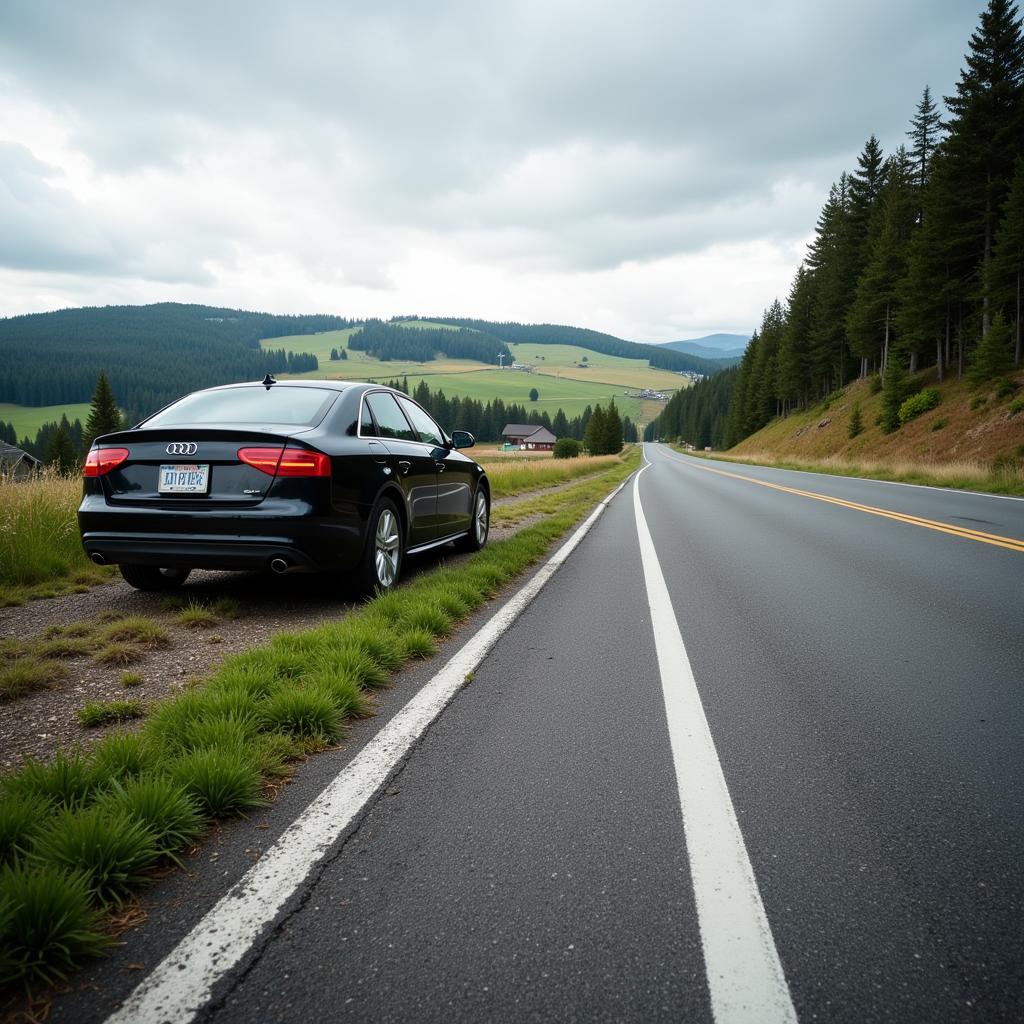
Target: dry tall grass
point(516, 476)
point(39, 539)
point(1004, 475)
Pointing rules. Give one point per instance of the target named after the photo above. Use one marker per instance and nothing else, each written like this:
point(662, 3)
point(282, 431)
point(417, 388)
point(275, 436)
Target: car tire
point(382, 558)
point(480, 527)
point(152, 577)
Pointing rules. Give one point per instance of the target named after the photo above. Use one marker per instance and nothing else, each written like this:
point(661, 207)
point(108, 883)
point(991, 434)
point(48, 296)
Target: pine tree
point(104, 415)
point(794, 365)
point(986, 136)
point(894, 393)
point(560, 425)
point(612, 444)
point(61, 452)
point(925, 129)
point(994, 355)
point(534, 394)
point(1006, 269)
point(594, 435)
point(856, 421)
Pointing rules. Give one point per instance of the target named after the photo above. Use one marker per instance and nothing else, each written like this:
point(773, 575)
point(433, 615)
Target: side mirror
point(462, 439)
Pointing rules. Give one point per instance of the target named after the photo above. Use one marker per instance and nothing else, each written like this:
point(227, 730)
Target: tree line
point(916, 262)
point(699, 414)
point(388, 341)
point(657, 356)
point(486, 420)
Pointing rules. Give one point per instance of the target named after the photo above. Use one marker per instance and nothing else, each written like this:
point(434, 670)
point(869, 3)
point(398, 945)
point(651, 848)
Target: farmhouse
point(529, 436)
point(16, 463)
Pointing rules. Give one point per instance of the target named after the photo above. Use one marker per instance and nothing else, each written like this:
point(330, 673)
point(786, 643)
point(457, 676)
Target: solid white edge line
point(745, 977)
point(182, 983)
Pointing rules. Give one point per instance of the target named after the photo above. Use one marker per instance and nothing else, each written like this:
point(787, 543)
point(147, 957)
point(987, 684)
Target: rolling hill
point(728, 347)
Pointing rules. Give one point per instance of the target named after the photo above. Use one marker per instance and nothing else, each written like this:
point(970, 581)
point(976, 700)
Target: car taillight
point(286, 461)
point(102, 460)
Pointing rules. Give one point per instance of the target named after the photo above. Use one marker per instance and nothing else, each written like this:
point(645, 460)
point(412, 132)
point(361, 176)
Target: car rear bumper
point(181, 540)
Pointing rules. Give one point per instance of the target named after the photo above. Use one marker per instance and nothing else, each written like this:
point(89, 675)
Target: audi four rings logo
point(182, 448)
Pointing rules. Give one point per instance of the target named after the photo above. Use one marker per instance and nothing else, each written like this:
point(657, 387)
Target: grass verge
point(1004, 475)
point(96, 823)
point(509, 477)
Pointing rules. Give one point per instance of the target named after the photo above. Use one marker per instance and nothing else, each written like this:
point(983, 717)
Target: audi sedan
point(291, 476)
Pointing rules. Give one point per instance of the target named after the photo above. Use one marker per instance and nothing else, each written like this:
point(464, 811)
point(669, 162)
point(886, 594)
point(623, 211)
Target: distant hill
point(152, 353)
point(660, 356)
point(712, 346)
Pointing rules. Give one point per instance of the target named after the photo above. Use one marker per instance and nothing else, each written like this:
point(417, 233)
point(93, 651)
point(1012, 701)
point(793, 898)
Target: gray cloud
point(538, 135)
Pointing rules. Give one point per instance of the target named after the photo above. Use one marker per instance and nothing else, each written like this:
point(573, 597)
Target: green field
point(28, 419)
point(568, 377)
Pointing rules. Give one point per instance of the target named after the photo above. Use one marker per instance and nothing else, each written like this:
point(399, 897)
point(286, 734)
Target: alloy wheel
point(386, 551)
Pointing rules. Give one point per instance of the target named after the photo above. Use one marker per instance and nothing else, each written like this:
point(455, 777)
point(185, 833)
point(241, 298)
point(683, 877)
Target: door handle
point(440, 466)
point(404, 466)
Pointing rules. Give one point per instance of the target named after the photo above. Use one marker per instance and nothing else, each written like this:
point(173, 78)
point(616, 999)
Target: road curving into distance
point(752, 754)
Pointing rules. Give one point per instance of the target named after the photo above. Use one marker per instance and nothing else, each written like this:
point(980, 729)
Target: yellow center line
point(995, 539)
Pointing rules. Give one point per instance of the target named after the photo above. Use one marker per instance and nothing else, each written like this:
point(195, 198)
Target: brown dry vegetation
point(952, 443)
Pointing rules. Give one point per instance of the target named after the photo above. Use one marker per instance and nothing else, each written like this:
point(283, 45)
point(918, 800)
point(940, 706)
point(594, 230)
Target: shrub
point(1016, 406)
point(567, 448)
point(978, 401)
point(941, 422)
point(46, 924)
point(103, 712)
point(223, 781)
point(113, 850)
point(875, 383)
point(920, 403)
point(1006, 387)
point(994, 355)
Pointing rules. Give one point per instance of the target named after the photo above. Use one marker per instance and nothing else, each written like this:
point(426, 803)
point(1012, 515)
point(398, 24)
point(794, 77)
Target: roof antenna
point(268, 381)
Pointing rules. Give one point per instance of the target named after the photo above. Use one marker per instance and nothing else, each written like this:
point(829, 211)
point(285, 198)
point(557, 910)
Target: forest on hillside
point(387, 341)
point(659, 357)
point(916, 262)
point(154, 353)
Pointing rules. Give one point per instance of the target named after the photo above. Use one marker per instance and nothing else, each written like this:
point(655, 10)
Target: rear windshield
point(293, 407)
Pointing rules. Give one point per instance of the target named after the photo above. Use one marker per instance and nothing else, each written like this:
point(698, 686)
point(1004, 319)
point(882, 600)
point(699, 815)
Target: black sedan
point(290, 476)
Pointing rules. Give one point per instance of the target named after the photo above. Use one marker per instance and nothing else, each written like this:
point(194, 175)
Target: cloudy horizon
point(654, 172)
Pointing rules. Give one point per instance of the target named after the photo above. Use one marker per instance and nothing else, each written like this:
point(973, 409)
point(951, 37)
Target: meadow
point(27, 419)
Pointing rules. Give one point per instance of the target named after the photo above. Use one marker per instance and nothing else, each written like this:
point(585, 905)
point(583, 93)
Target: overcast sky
point(649, 169)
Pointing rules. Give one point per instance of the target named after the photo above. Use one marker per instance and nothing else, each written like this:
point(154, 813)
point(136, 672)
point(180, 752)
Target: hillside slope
point(951, 433)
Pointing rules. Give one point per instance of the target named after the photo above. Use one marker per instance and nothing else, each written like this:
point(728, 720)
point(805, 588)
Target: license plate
point(184, 478)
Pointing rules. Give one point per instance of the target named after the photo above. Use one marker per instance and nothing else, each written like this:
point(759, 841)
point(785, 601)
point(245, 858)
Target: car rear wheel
point(152, 577)
point(382, 559)
point(481, 524)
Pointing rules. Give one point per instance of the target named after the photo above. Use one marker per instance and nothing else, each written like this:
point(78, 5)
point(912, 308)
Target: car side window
point(367, 428)
point(429, 431)
point(390, 420)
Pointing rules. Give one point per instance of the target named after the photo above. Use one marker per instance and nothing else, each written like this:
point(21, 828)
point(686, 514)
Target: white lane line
point(745, 976)
point(181, 984)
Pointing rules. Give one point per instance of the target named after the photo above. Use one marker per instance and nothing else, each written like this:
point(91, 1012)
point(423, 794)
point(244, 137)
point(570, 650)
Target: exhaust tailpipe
point(278, 565)
point(98, 558)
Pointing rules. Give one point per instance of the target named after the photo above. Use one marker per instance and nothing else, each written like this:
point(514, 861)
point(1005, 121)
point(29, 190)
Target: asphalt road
point(861, 675)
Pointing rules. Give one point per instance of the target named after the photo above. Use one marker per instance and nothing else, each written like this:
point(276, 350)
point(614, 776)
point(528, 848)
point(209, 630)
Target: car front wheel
point(382, 559)
point(152, 577)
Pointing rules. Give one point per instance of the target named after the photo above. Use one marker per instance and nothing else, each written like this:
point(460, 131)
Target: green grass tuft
point(227, 608)
point(310, 713)
point(223, 781)
point(419, 643)
point(112, 849)
point(130, 679)
point(46, 925)
point(135, 629)
point(19, 821)
point(119, 653)
point(122, 756)
point(104, 712)
point(68, 781)
point(170, 814)
point(26, 676)
point(196, 616)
